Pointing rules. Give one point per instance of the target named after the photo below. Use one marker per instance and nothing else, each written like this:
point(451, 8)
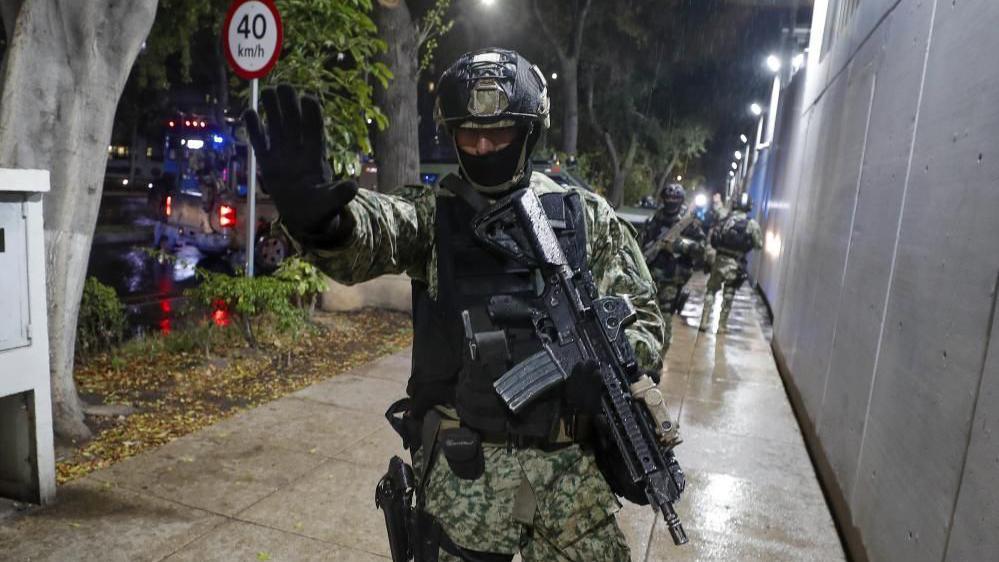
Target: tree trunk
point(397, 148)
point(62, 76)
point(570, 101)
point(621, 172)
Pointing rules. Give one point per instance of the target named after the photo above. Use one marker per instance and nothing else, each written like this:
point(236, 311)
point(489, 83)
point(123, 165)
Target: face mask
point(497, 169)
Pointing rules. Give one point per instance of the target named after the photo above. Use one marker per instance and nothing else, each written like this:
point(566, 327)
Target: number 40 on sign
point(251, 37)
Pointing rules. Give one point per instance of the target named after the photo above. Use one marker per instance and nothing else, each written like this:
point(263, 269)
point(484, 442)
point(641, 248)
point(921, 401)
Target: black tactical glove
point(295, 168)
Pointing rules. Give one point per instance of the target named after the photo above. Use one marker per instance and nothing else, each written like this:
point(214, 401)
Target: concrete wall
point(883, 191)
point(392, 292)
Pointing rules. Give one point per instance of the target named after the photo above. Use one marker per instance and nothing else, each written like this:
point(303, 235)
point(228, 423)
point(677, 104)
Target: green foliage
point(329, 51)
point(306, 279)
point(433, 25)
point(177, 22)
point(640, 182)
point(101, 323)
point(248, 299)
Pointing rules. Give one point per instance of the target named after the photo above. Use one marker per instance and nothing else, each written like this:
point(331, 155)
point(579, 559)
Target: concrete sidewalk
point(294, 479)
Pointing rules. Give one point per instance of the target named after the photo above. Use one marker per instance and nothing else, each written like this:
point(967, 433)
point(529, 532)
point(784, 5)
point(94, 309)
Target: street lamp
point(743, 139)
point(554, 75)
point(731, 174)
point(756, 109)
point(679, 178)
point(773, 63)
point(735, 165)
point(738, 155)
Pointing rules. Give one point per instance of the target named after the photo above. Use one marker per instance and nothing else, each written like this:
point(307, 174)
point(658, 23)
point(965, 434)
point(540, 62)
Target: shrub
point(101, 323)
point(306, 280)
point(247, 299)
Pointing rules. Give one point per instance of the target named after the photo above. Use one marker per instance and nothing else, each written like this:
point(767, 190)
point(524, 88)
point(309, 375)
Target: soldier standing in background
point(732, 238)
point(673, 245)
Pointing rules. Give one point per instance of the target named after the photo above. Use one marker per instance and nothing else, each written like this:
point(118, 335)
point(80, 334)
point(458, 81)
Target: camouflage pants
point(724, 274)
point(666, 293)
point(573, 507)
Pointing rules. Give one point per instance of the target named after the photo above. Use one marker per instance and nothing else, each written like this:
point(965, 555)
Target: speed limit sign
point(251, 37)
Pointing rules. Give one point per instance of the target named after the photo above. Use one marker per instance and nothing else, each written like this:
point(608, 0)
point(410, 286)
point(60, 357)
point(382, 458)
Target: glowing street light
point(731, 174)
point(773, 63)
point(756, 109)
point(488, 2)
point(679, 178)
point(738, 155)
point(554, 75)
point(743, 139)
point(735, 165)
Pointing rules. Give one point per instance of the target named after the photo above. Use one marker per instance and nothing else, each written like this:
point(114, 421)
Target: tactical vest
point(733, 235)
point(667, 265)
point(444, 371)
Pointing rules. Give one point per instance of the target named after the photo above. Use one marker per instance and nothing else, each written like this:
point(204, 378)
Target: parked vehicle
point(200, 200)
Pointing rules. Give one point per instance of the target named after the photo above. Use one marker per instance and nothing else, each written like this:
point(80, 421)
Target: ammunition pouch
point(462, 448)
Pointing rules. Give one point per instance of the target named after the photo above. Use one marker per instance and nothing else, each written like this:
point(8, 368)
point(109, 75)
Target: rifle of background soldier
point(666, 242)
point(578, 326)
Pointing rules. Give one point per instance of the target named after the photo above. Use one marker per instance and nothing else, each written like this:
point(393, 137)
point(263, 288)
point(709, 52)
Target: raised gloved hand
point(295, 168)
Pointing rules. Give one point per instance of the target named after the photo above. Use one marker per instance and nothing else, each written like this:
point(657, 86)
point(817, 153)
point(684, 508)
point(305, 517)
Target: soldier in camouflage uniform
point(493, 483)
point(672, 262)
point(733, 238)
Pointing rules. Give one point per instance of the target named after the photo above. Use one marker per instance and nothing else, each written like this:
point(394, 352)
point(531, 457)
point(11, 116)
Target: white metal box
point(27, 465)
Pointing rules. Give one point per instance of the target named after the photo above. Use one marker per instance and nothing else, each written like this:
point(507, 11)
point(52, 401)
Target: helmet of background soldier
point(494, 88)
point(744, 202)
point(672, 197)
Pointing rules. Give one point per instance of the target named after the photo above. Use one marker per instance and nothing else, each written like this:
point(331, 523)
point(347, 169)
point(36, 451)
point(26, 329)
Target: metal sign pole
point(251, 221)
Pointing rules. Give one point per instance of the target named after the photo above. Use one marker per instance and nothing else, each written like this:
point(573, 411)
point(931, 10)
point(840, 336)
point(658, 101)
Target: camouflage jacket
point(395, 234)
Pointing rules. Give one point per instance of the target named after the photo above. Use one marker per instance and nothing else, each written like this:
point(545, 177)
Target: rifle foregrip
point(528, 379)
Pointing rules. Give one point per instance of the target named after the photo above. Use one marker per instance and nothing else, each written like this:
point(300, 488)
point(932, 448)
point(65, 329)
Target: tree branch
point(547, 32)
point(578, 25)
point(604, 134)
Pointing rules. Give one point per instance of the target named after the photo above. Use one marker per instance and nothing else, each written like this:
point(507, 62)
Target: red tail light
point(227, 216)
point(169, 205)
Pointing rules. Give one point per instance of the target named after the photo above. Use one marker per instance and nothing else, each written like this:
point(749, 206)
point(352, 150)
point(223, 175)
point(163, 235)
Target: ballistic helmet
point(672, 197)
point(494, 88)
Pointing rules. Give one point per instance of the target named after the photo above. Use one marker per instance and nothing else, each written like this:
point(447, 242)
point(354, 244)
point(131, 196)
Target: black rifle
point(394, 496)
point(579, 326)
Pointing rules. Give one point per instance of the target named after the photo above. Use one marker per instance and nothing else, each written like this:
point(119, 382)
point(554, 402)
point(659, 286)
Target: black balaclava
point(502, 171)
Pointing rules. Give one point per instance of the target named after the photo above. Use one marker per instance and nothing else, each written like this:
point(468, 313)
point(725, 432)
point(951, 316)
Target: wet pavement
point(294, 479)
point(151, 289)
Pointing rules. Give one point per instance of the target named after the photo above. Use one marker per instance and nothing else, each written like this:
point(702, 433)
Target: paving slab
point(220, 475)
point(294, 479)
point(237, 540)
point(93, 520)
point(335, 503)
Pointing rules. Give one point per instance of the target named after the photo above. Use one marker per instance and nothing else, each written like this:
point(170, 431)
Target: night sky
point(717, 71)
